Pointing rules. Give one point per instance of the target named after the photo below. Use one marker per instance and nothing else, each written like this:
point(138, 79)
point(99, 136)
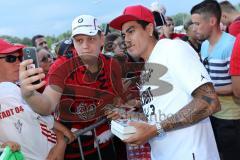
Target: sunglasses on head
point(205, 61)
point(11, 58)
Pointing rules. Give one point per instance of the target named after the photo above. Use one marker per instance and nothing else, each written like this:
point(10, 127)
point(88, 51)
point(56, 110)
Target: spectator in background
point(160, 21)
point(191, 37)
point(44, 58)
point(40, 41)
point(234, 70)
point(114, 47)
point(168, 30)
point(216, 51)
point(45, 61)
point(230, 17)
point(113, 44)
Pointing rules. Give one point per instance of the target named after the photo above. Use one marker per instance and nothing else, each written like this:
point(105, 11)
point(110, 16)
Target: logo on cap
point(80, 20)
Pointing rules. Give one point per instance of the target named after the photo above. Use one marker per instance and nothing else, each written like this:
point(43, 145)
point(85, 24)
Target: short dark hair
point(187, 24)
point(226, 6)
point(144, 25)
point(109, 39)
point(208, 8)
point(36, 37)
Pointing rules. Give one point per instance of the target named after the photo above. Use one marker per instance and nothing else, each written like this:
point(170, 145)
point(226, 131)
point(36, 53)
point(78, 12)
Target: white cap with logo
point(85, 24)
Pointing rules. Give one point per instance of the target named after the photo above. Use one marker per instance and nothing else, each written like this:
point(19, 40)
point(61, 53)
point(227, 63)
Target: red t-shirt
point(84, 96)
point(235, 58)
point(234, 27)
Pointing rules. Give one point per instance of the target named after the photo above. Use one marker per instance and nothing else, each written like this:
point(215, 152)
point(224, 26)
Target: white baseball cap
point(85, 24)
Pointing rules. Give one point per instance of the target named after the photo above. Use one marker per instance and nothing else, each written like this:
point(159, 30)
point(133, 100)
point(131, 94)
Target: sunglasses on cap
point(12, 58)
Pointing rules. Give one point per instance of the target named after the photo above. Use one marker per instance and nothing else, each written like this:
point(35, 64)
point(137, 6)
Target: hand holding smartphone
point(31, 53)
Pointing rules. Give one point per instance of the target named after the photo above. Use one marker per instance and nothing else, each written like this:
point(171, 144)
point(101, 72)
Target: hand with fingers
point(13, 145)
point(113, 114)
point(28, 76)
point(144, 132)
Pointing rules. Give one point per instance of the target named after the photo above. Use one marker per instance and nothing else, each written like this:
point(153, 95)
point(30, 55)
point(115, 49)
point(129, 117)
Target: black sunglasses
point(11, 58)
point(205, 61)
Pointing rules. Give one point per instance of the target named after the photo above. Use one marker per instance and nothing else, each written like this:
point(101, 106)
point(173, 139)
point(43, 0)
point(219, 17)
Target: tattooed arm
point(204, 103)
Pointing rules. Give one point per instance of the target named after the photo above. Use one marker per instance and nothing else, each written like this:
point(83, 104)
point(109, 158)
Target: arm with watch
point(203, 104)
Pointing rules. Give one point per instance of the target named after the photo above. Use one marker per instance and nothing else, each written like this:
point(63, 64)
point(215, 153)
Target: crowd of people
point(185, 86)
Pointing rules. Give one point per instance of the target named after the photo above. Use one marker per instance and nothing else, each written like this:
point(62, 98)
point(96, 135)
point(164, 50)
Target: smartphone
point(31, 53)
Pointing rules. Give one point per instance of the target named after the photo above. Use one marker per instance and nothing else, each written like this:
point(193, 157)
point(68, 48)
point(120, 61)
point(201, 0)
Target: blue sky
point(25, 18)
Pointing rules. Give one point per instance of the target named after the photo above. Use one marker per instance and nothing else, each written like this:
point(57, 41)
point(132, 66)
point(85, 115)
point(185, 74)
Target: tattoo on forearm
point(204, 103)
point(207, 99)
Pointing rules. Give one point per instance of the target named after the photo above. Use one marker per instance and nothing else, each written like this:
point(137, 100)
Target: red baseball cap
point(7, 48)
point(132, 13)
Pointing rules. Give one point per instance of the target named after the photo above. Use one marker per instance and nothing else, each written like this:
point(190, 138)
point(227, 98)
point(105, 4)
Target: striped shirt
point(218, 70)
point(217, 63)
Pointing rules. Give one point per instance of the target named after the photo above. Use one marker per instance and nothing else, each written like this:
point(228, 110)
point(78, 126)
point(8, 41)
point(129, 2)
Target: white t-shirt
point(184, 74)
point(18, 123)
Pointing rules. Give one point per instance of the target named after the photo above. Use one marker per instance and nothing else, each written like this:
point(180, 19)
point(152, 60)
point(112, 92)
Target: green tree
point(180, 18)
point(238, 6)
point(65, 35)
point(26, 41)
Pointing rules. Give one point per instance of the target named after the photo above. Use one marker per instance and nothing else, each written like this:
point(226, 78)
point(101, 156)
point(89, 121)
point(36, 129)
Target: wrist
point(154, 131)
point(28, 94)
point(62, 141)
point(159, 129)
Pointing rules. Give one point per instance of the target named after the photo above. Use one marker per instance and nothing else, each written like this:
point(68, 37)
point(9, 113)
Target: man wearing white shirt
point(180, 126)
